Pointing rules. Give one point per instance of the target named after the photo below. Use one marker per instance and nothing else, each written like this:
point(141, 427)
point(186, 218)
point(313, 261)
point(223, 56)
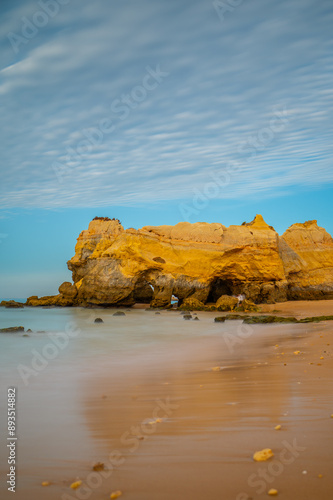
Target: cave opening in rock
point(174, 300)
point(219, 287)
point(143, 292)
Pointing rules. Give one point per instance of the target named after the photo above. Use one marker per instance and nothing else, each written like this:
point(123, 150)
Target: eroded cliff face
point(113, 266)
point(314, 247)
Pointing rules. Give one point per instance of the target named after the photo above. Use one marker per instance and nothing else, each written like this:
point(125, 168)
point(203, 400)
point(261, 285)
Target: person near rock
point(240, 298)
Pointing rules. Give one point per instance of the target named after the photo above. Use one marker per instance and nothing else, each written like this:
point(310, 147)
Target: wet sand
point(300, 309)
point(203, 448)
point(209, 423)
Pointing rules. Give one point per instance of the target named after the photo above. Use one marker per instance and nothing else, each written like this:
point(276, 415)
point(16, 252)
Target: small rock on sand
point(98, 466)
point(76, 485)
point(263, 455)
point(98, 320)
point(119, 313)
point(115, 494)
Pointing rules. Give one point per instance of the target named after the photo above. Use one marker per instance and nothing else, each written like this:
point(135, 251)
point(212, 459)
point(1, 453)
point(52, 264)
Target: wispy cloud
point(225, 81)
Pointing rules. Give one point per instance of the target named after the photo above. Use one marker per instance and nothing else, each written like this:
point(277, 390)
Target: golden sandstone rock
point(263, 455)
point(115, 494)
point(197, 263)
point(76, 484)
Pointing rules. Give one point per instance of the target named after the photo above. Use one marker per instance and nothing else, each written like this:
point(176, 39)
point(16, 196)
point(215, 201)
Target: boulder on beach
point(67, 289)
point(226, 303)
point(236, 316)
point(250, 320)
point(12, 329)
point(192, 304)
point(49, 300)
point(247, 306)
point(11, 304)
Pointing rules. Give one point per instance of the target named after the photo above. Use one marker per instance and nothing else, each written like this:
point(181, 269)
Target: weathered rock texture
point(11, 304)
point(201, 261)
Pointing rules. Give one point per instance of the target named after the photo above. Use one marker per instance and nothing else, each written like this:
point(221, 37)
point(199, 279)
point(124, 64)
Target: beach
point(176, 408)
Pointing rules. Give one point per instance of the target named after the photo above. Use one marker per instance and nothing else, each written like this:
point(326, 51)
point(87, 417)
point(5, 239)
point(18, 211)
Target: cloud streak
point(225, 81)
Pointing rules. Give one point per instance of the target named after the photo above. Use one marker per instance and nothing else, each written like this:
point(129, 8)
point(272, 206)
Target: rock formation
point(11, 304)
point(200, 261)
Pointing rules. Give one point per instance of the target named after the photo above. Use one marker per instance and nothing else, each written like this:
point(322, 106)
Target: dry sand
point(300, 309)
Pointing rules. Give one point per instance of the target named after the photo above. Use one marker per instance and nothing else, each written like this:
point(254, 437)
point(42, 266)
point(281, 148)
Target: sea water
point(49, 364)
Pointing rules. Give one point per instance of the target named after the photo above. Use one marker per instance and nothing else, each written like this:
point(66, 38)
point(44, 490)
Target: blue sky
point(156, 112)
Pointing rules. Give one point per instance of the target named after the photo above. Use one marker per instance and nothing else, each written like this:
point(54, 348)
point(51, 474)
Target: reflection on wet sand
point(204, 448)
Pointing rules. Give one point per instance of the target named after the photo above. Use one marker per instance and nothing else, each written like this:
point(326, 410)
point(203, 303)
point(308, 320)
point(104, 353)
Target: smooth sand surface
point(204, 447)
point(301, 308)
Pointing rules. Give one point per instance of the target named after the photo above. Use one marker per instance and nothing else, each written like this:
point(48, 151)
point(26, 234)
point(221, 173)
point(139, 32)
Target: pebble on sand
point(98, 466)
point(297, 352)
point(76, 484)
point(46, 483)
point(217, 368)
point(115, 494)
point(156, 421)
point(273, 492)
point(262, 455)
point(277, 427)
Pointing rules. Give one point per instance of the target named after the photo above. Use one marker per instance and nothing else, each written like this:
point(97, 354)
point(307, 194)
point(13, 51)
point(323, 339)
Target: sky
point(156, 112)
